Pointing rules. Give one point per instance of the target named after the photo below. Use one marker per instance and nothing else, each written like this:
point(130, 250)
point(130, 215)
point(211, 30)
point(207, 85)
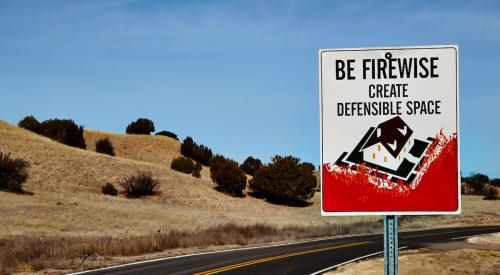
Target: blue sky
point(238, 76)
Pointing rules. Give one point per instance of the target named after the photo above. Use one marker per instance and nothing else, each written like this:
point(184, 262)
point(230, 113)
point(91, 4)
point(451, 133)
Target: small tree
point(30, 123)
point(64, 131)
point(13, 173)
point(200, 153)
point(187, 146)
point(141, 126)
point(251, 165)
point(285, 180)
point(182, 164)
point(197, 170)
point(104, 146)
point(109, 189)
point(140, 184)
point(167, 134)
point(228, 176)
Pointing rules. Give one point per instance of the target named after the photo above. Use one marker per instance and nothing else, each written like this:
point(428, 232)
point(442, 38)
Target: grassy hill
point(67, 199)
point(155, 149)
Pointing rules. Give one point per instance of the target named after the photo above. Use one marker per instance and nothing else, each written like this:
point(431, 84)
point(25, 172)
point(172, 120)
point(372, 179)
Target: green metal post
point(391, 245)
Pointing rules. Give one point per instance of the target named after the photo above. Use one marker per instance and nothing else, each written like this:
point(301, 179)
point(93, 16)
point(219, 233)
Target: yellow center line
point(234, 266)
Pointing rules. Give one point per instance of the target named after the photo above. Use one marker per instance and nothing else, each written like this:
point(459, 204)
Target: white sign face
point(389, 131)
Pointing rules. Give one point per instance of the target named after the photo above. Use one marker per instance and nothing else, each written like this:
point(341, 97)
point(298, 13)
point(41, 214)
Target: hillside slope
point(155, 149)
point(67, 200)
point(66, 184)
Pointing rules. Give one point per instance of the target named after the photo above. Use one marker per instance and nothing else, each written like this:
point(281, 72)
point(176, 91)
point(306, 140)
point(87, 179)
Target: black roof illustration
point(392, 134)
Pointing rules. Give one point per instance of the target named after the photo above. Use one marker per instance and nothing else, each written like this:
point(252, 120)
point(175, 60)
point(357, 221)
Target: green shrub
point(104, 146)
point(140, 184)
point(251, 165)
point(64, 131)
point(109, 189)
point(141, 126)
point(182, 164)
point(285, 180)
point(197, 170)
point(490, 193)
point(167, 134)
point(30, 123)
point(200, 153)
point(228, 176)
point(13, 173)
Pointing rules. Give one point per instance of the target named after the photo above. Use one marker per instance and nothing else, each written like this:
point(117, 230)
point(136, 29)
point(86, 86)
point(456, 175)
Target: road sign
point(389, 131)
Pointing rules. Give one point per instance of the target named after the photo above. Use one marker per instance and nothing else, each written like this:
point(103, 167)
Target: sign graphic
point(389, 131)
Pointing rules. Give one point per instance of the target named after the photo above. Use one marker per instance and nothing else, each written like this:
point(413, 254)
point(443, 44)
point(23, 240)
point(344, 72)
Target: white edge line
point(350, 261)
point(465, 237)
point(217, 251)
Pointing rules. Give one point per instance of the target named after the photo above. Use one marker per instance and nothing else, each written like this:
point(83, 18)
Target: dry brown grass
point(28, 253)
point(155, 149)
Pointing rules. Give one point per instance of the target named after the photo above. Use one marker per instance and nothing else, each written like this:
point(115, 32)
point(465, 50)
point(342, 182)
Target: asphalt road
point(297, 258)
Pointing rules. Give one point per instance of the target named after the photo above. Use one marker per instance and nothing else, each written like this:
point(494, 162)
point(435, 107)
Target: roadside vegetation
point(36, 253)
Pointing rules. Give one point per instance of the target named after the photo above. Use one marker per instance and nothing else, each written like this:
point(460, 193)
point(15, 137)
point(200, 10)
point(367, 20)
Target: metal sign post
point(391, 245)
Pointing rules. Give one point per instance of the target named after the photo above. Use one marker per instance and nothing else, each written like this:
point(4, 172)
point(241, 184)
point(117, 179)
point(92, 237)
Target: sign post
point(391, 244)
point(389, 134)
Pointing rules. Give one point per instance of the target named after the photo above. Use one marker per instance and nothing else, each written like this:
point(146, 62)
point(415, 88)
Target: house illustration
point(390, 148)
point(388, 144)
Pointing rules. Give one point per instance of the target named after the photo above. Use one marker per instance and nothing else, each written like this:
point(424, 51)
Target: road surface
point(309, 257)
